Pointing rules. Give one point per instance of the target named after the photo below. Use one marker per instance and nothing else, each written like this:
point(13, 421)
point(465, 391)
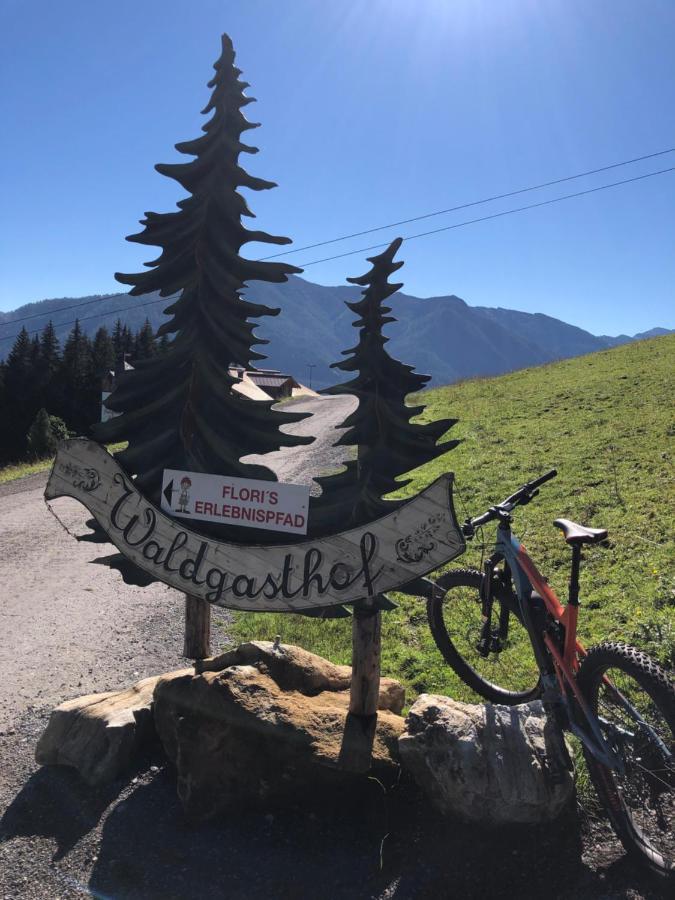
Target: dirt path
point(70, 627)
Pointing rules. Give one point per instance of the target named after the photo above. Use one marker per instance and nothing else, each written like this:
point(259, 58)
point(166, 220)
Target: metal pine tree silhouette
point(388, 443)
point(178, 408)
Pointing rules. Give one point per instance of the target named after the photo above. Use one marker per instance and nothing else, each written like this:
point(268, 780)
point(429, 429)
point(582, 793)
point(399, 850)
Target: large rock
point(492, 765)
point(99, 734)
point(262, 722)
point(296, 669)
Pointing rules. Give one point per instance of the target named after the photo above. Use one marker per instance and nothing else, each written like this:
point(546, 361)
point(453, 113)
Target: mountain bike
point(506, 634)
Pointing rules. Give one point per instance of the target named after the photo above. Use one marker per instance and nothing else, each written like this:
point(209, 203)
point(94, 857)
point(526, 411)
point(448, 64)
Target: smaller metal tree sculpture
point(389, 443)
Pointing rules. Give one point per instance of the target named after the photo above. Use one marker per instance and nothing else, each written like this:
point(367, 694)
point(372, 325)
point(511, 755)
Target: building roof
point(262, 377)
point(269, 380)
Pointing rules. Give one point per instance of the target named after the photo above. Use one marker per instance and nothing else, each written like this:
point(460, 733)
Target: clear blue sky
point(371, 111)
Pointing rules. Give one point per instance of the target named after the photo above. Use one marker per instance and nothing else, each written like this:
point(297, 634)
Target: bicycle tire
point(640, 802)
point(455, 622)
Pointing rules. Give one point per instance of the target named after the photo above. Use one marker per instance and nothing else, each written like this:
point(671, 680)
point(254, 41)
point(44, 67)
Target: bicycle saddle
point(579, 534)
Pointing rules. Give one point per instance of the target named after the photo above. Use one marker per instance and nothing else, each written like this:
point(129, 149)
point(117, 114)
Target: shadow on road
point(56, 803)
point(376, 845)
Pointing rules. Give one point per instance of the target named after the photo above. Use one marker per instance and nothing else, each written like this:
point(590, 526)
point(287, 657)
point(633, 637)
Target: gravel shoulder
point(71, 627)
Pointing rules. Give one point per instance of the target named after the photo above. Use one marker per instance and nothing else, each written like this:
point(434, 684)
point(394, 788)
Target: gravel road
point(70, 627)
point(297, 466)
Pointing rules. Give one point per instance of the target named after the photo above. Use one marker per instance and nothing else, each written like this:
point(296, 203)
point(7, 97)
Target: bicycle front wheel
point(505, 671)
point(634, 700)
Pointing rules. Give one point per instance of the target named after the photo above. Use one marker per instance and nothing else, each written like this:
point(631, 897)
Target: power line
point(60, 309)
point(99, 315)
point(441, 212)
point(345, 237)
point(314, 262)
point(506, 212)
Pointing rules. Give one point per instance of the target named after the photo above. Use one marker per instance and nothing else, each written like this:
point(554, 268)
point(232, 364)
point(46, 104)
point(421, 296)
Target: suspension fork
point(487, 595)
point(486, 600)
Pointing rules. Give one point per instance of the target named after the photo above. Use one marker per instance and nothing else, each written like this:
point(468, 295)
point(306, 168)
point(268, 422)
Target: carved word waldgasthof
point(338, 569)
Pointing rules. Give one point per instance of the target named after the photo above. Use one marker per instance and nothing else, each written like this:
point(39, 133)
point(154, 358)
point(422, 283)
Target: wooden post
point(365, 687)
point(197, 628)
point(359, 735)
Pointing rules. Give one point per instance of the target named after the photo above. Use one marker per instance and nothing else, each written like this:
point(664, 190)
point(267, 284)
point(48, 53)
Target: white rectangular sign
point(236, 501)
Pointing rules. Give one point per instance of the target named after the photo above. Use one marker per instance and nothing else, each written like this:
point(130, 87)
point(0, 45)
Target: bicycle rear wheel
point(509, 673)
point(634, 700)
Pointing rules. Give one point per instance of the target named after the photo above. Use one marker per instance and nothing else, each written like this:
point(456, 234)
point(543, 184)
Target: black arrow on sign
point(168, 491)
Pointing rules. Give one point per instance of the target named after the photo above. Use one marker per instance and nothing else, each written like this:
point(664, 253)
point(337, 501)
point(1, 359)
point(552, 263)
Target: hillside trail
point(71, 628)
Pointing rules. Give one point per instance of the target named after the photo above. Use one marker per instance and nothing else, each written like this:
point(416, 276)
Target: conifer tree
point(20, 382)
point(50, 350)
point(144, 343)
point(127, 341)
point(79, 387)
point(163, 344)
point(4, 416)
point(77, 357)
point(48, 370)
point(388, 443)
point(45, 433)
point(103, 353)
point(118, 341)
point(18, 359)
point(35, 350)
point(178, 409)
point(40, 438)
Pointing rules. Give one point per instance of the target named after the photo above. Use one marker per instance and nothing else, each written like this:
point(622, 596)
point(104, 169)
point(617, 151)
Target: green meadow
point(606, 422)
point(33, 467)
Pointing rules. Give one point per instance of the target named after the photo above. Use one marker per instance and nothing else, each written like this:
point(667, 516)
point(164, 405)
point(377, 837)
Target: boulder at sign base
point(490, 765)
point(264, 722)
point(99, 734)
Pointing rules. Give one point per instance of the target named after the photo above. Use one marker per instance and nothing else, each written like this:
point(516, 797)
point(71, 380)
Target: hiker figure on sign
point(184, 497)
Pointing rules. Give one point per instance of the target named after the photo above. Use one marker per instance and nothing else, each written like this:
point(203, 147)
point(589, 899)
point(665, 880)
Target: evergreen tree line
point(65, 383)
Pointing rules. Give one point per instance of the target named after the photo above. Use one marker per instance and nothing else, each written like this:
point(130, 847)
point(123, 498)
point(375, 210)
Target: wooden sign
point(236, 501)
point(415, 539)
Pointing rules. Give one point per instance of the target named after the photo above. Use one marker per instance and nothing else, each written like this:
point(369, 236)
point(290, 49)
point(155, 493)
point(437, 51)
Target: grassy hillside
point(607, 423)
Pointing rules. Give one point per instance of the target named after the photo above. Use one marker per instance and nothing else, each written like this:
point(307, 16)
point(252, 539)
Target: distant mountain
point(626, 338)
point(442, 336)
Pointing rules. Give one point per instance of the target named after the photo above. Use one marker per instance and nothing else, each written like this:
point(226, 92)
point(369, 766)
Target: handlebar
point(522, 496)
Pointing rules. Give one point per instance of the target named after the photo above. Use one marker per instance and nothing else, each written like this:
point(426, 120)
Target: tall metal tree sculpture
point(178, 408)
point(388, 443)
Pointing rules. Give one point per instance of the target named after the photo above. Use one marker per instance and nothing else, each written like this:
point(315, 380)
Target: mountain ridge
point(441, 335)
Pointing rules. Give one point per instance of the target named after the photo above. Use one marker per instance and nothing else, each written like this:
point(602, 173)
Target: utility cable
point(314, 262)
point(506, 212)
point(440, 212)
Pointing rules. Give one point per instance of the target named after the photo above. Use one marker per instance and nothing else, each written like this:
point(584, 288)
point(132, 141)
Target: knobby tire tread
point(659, 685)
